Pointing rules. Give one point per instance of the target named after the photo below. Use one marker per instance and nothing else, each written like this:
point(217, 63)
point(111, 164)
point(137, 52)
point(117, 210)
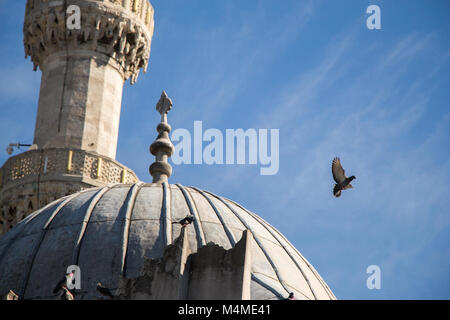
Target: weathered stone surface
point(217, 273)
point(76, 110)
point(165, 278)
point(211, 273)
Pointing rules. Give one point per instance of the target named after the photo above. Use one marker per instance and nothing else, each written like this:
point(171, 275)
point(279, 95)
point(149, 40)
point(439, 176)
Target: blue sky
point(376, 98)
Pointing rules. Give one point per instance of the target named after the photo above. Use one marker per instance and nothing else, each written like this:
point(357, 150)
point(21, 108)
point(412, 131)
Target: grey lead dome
point(108, 231)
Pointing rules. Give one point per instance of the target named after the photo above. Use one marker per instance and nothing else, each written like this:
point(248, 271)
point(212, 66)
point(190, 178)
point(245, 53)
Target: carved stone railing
point(64, 164)
point(120, 29)
point(31, 180)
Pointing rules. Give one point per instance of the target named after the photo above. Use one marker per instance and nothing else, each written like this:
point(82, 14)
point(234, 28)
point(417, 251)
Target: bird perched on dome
point(66, 294)
point(185, 221)
point(291, 297)
point(342, 182)
point(104, 291)
point(11, 295)
point(68, 278)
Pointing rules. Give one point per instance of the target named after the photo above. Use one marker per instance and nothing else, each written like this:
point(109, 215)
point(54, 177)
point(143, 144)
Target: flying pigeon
point(104, 291)
point(68, 278)
point(185, 221)
point(342, 182)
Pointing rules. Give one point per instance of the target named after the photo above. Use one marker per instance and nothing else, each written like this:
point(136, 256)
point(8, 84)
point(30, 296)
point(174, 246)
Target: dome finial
point(162, 148)
point(164, 105)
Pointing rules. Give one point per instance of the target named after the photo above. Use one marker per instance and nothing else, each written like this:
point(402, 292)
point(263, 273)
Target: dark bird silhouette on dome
point(342, 182)
point(11, 295)
point(104, 291)
point(185, 221)
point(66, 294)
point(68, 278)
point(291, 296)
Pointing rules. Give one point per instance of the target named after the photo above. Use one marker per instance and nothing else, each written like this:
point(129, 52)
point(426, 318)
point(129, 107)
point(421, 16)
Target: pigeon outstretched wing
point(338, 171)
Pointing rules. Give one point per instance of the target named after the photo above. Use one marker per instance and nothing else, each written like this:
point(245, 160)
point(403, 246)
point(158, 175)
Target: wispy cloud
point(406, 50)
point(252, 43)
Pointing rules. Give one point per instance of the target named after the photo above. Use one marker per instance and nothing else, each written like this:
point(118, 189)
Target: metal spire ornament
point(162, 148)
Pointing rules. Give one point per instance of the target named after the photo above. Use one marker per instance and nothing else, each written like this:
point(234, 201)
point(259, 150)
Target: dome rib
point(266, 226)
point(130, 201)
point(274, 267)
point(37, 245)
point(319, 278)
point(197, 222)
point(219, 216)
point(19, 231)
point(166, 212)
point(86, 218)
point(268, 287)
point(233, 241)
point(262, 222)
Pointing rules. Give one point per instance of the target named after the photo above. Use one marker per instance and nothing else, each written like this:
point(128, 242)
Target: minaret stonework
point(84, 67)
point(86, 50)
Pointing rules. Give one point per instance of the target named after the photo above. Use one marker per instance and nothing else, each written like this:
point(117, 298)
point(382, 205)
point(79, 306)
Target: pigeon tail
point(337, 191)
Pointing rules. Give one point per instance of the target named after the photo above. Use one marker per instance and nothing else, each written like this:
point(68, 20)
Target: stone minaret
point(86, 50)
point(83, 70)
